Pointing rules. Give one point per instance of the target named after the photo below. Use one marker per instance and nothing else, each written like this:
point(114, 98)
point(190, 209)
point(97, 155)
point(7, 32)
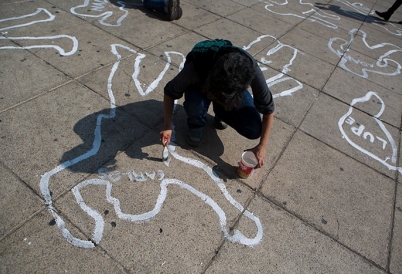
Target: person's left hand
point(259, 153)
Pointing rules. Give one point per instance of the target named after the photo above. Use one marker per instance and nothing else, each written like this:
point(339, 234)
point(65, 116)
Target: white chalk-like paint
point(51, 40)
point(154, 84)
point(36, 14)
point(307, 11)
point(237, 236)
point(99, 6)
point(280, 77)
point(136, 218)
point(359, 130)
point(385, 50)
point(44, 182)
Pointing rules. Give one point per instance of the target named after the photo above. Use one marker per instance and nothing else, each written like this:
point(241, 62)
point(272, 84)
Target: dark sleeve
point(186, 78)
point(263, 100)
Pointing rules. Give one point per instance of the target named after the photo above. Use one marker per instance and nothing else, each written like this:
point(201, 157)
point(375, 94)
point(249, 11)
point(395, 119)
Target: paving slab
point(196, 16)
point(278, 12)
point(81, 108)
point(346, 87)
point(347, 200)
point(223, 8)
point(141, 183)
point(354, 132)
point(294, 107)
point(396, 265)
point(260, 21)
point(302, 40)
point(57, 121)
point(289, 245)
point(39, 76)
point(181, 45)
point(322, 31)
point(315, 76)
point(34, 248)
point(239, 35)
point(13, 212)
point(377, 50)
point(227, 146)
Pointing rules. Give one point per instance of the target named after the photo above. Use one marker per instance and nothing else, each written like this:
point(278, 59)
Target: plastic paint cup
point(247, 164)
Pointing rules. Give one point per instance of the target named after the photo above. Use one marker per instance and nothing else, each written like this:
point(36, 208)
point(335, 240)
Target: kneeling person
point(217, 72)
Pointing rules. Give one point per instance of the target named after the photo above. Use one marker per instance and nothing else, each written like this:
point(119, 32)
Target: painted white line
point(38, 11)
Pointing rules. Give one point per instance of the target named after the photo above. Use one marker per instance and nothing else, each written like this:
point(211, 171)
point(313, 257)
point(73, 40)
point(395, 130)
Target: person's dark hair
point(229, 77)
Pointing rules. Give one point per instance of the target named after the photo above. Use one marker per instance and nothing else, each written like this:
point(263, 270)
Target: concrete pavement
point(83, 188)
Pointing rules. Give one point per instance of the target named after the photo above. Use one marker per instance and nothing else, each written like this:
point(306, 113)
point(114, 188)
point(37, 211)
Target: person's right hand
point(165, 136)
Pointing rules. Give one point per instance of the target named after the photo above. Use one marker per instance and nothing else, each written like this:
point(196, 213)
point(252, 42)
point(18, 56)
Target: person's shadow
point(107, 132)
point(349, 13)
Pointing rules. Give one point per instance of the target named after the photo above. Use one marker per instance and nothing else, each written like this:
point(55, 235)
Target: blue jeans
point(245, 119)
point(158, 5)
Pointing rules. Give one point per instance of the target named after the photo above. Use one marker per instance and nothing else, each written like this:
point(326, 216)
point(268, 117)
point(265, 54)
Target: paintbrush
point(165, 152)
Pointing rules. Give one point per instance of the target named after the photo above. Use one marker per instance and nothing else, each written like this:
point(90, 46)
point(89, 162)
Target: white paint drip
point(376, 117)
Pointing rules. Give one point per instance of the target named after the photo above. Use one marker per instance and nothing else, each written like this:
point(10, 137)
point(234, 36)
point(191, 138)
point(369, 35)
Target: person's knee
point(252, 133)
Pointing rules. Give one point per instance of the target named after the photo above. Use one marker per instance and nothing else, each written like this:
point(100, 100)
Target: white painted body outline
point(376, 117)
point(50, 18)
point(319, 17)
point(382, 61)
point(280, 77)
point(99, 221)
point(104, 15)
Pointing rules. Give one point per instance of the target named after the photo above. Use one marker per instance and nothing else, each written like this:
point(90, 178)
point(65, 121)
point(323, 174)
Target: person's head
point(229, 77)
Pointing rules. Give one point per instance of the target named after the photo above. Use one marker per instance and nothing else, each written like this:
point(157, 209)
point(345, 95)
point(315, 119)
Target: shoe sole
point(174, 10)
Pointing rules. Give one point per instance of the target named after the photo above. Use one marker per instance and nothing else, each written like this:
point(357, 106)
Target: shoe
point(383, 15)
point(174, 10)
point(219, 124)
point(194, 137)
